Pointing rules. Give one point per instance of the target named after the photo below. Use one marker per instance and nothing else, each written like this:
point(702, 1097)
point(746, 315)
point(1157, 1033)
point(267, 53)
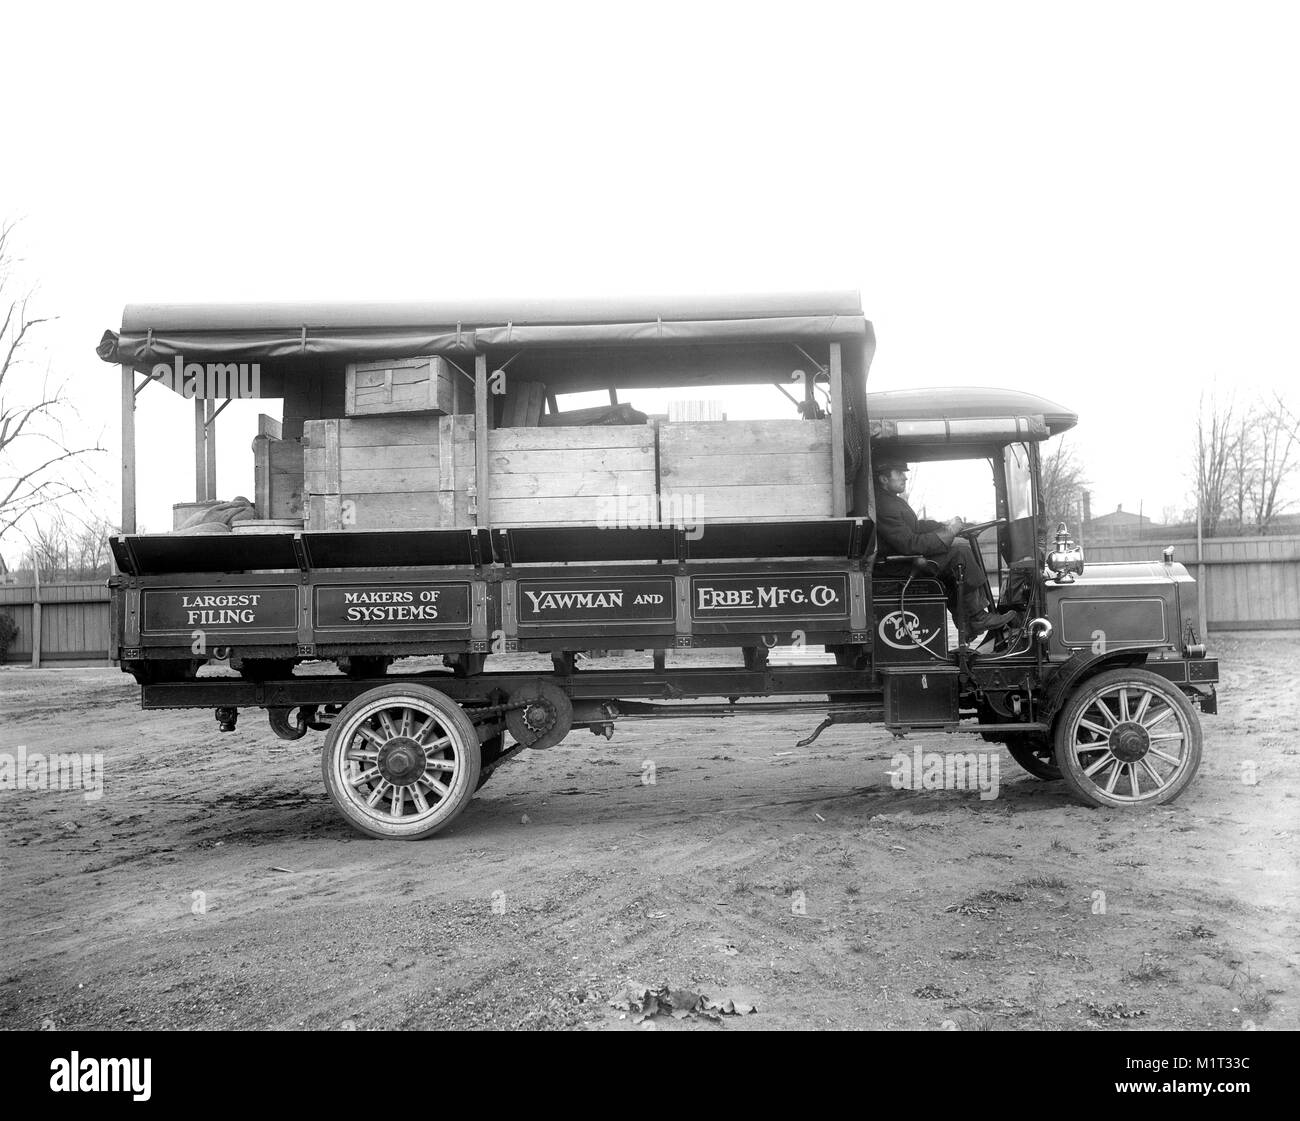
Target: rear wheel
point(401, 761)
point(1128, 738)
point(1034, 752)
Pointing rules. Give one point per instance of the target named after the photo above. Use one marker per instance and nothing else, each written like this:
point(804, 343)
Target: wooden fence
point(72, 620)
point(1250, 583)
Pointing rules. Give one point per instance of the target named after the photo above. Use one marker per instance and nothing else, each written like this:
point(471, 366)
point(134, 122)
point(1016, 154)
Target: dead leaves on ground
point(644, 1003)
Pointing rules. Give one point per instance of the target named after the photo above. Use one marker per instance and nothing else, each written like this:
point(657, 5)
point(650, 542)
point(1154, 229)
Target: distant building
point(1122, 525)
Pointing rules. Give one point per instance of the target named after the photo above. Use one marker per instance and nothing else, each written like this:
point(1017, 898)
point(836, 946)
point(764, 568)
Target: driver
point(901, 531)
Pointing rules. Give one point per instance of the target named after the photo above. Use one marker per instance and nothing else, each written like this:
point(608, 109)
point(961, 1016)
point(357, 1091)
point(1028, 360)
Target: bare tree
point(1063, 483)
point(49, 542)
point(37, 460)
point(90, 549)
point(1217, 440)
point(63, 546)
point(1276, 436)
point(1242, 471)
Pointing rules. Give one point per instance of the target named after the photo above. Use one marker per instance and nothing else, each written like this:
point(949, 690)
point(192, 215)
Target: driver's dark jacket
point(901, 531)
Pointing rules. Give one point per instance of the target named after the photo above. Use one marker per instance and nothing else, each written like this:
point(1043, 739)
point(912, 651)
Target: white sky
point(1095, 202)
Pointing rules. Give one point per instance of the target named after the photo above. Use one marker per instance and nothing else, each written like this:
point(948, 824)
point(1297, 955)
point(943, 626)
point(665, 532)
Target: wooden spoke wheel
point(401, 761)
point(1128, 737)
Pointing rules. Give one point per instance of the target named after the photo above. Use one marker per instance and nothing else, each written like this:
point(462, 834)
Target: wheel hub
point(539, 716)
point(1129, 741)
point(401, 761)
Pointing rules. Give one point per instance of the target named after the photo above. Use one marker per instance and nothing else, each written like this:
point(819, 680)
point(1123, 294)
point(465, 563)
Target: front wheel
point(401, 761)
point(1128, 738)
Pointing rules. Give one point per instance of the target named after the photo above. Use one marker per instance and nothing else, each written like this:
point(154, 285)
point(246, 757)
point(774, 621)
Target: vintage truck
point(424, 495)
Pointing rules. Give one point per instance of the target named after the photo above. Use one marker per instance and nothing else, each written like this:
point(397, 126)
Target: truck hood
point(1132, 572)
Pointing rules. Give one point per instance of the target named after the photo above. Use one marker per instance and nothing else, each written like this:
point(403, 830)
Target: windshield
point(1020, 482)
point(942, 489)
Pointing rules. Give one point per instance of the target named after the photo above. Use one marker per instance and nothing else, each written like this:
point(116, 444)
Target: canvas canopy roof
point(963, 404)
point(316, 334)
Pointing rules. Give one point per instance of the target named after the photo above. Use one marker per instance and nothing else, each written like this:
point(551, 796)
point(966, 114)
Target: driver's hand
point(956, 525)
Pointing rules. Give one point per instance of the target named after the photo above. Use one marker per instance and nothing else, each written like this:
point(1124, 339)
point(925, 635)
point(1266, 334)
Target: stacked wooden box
point(408, 385)
point(401, 459)
point(745, 470)
point(392, 472)
point(277, 472)
point(390, 463)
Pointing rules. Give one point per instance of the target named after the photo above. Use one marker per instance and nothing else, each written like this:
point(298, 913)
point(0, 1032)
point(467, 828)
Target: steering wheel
point(973, 531)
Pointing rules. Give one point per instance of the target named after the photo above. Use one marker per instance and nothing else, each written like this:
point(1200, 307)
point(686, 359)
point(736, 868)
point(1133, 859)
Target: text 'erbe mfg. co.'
point(773, 595)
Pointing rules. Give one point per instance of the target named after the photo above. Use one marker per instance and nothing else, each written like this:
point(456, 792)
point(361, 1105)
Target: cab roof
point(965, 403)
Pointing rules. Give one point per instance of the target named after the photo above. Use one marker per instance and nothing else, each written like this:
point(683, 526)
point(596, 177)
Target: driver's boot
point(980, 618)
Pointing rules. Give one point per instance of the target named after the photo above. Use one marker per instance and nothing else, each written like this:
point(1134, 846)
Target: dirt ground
point(799, 881)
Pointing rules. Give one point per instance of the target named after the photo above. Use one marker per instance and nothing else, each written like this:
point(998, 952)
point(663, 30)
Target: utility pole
point(1200, 563)
point(36, 611)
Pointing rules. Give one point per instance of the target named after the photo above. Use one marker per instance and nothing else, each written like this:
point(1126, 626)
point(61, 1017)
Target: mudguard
point(1082, 665)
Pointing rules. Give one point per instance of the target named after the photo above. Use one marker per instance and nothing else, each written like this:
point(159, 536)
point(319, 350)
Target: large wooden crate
point(544, 476)
point(410, 385)
point(397, 472)
point(745, 470)
point(420, 472)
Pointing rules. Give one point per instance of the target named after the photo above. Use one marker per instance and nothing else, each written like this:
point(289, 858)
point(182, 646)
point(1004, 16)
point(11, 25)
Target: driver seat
point(902, 565)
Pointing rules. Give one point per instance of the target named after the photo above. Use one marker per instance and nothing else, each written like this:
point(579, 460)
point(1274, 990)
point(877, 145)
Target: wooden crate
point(420, 472)
point(544, 476)
point(456, 471)
point(277, 477)
point(410, 385)
point(397, 472)
point(745, 470)
point(524, 404)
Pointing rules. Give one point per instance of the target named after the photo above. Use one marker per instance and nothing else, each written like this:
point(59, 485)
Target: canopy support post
point(128, 450)
point(210, 447)
point(481, 493)
point(839, 504)
point(200, 453)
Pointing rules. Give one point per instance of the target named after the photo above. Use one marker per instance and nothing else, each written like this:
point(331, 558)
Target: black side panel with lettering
point(242, 609)
point(543, 603)
point(366, 607)
point(769, 597)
